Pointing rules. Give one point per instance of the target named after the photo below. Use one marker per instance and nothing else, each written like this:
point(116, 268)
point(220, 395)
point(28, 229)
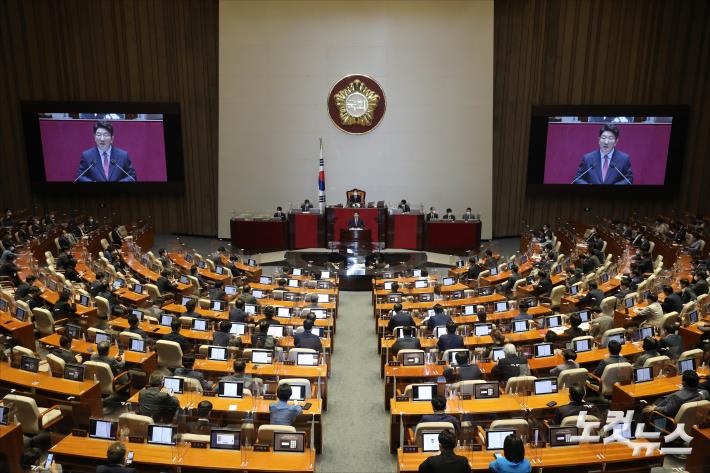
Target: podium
point(355, 235)
point(375, 220)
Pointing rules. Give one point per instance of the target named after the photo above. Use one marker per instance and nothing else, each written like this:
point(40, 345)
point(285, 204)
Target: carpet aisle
point(356, 426)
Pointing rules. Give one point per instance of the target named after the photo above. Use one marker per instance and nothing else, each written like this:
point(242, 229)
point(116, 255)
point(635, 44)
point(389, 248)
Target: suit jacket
point(432, 216)
point(449, 341)
point(280, 215)
point(306, 207)
point(509, 367)
point(221, 338)
point(401, 319)
point(619, 166)
point(672, 303)
point(445, 462)
point(571, 409)
point(451, 217)
point(404, 207)
point(307, 340)
point(406, 343)
point(118, 157)
point(353, 224)
point(469, 372)
point(115, 469)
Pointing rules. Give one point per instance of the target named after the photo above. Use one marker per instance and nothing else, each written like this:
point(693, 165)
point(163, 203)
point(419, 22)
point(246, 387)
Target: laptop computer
point(320, 313)
point(324, 275)
point(642, 375)
point(573, 290)
point(72, 331)
point(430, 441)
point(293, 283)
point(218, 306)
point(262, 357)
point(553, 321)
point(298, 393)
point(423, 392)
point(439, 330)
point(481, 330)
point(276, 331)
point(4, 415)
point(265, 280)
point(500, 306)
point(494, 271)
point(284, 312)
point(74, 372)
point(421, 284)
point(224, 439)
point(520, 326)
point(469, 310)
point(486, 391)
point(103, 429)
point(448, 281)
point(29, 363)
point(496, 438)
point(413, 359)
point(166, 320)
point(297, 271)
point(307, 359)
point(580, 346)
point(137, 345)
point(173, 384)
point(200, 325)
point(238, 328)
point(230, 290)
point(162, 434)
point(231, 389)
point(544, 350)
point(290, 442)
point(685, 365)
point(545, 386)
point(102, 337)
point(560, 436)
point(619, 337)
point(497, 354)
point(217, 353)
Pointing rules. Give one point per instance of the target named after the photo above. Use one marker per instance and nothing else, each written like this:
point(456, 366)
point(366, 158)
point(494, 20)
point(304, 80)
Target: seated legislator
point(307, 339)
point(239, 366)
point(105, 162)
point(400, 318)
point(570, 356)
point(466, 371)
point(575, 406)
point(511, 365)
point(449, 215)
point(438, 405)
point(432, 215)
point(447, 461)
point(513, 459)
point(164, 284)
point(672, 301)
point(407, 341)
point(188, 361)
point(64, 351)
point(154, 401)
point(116, 456)
point(283, 413)
point(222, 336)
point(306, 206)
point(606, 165)
point(593, 297)
point(468, 215)
point(652, 314)
point(404, 206)
point(614, 348)
point(203, 425)
point(439, 318)
point(279, 213)
point(356, 221)
point(670, 405)
point(176, 336)
point(355, 199)
point(450, 340)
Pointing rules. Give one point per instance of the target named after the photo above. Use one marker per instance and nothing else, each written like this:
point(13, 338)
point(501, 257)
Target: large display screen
point(103, 144)
point(601, 148)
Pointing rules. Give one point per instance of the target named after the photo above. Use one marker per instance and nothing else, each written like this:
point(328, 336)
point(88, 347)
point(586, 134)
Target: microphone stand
point(581, 175)
point(85, 171)
point(620, 173)
point(113, 161)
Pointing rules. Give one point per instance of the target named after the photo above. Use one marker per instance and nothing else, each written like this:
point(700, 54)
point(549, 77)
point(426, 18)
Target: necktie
point(605, 167)
point(105, 162)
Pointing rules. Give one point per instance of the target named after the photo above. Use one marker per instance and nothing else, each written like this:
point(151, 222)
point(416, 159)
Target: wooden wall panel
point(596, 52)
point(119, 50)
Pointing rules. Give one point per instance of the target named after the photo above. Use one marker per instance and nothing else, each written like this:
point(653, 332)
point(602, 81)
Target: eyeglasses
point(103, 135)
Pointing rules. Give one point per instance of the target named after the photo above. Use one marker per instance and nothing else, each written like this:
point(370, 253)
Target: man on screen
point(104, 163)
point(607, 165)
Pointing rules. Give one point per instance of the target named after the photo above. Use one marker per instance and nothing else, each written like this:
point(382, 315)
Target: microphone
point(113, 161)
point(620, 173)
point(585, 172)
point(85, 171)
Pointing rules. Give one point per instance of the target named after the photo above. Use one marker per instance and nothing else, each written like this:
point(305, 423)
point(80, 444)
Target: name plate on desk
point(79, 433)
point(269, 397)
point(441, 362)
point(385, 317)
point(209, 394)
point(389, 337)
point(289, 363)
point(200, 356)
point(466, 397)
point(136, 439)
point(198, 444)
point(402, 398)
point(394, 363)
point(409, 449)
point(259, 447)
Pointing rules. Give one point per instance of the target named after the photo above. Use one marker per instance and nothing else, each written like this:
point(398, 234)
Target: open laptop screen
point(496, 438)
point(642, 375)
point(289, 442)
point(161, 434)
point(543, 350)
point(224, 439)
point(233, 389)
point(583, 345)
point(102, 429)
point(546, 386)
point(430, 441)
point(423, 392)
point(486, 391)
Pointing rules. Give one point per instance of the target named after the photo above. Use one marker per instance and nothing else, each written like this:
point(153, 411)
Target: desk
point(306, 230)
point(146, 273)
point(259, 235)
point(337, 218)
point(147, 361)
point(410, 411)
point(700, 445)
point(447, 237)
point(405, 231)
point(83, 454)
point(690, 335)
point(616, 456)
point(48, 391)
point(628, 396)
point(11, 448)
point(131, 297)
point(22, 332)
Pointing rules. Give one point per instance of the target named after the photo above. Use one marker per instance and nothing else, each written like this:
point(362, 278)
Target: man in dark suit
point(432, 215)
point(306, 339)
point(449, 215)
point(700, 285)
point(408, 341)
point(438, 405)
point(404, 206)
point(575, 406)
point(607, 165)
point(356, 221)
point(511, 365)
point(306, 206)
point(468, 215)
point(279, 213)
point(594, 297)
point(400, 318)
point(222, 336)
point(188, 361)
point(155, 401)
point(105, 163)
point(447, 461)
point(116, 455)
point(672, 302)
point(163, 283)
point(467, 371)
point(177, 337)
point(439, 318)
point(238, 314)
point(614, 348)
point(450, 340)
point(355, 199)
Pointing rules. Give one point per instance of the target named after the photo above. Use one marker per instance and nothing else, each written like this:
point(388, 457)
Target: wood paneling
point(596, 52)
point(117, 50)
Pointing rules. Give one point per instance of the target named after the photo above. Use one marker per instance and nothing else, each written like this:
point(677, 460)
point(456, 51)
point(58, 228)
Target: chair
point(556, 297)
point(298, 382)
point(104, 244)
point(169, 354)
point(690, 414)
point(91, 333)
point(651, 246)
point(481, 275)
point(687, 308)
point(56, 365)
point(657, 363)
point(190, 385)
point(521, 426)
point(102, 373)
point(125, 337)
point(49, 258)
point(32, 419)
point(520, 384)
point(610, 332)
point(203, 303)
point(153, 293)
point(194, 285)
point(668, 318)
point(428, 427)
point(44, 321)
point(293, 352)
point(696, 353)
point(467, 386)
point(571, 421)
point(102, 306)
point(518, 283)
point(615, 372)
point(608, 305)
point(136, 424)
point(569, 377)
point(265, 434)
point(450, 355)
